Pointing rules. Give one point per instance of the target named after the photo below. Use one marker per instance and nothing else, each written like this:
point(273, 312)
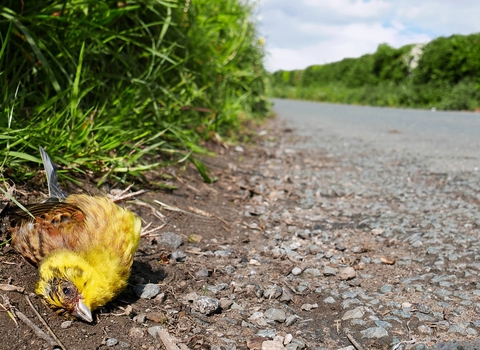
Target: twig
point(45, 323)
point(195, 252)
point(11, 288)
point(167, 340)
point(155, 212)
point(122, 195)
point(36, 330)
point(153, 230)
point(354, 342)
point(413, 341)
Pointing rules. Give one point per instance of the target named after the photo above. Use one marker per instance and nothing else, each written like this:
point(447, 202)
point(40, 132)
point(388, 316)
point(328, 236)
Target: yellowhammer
point(83, 245)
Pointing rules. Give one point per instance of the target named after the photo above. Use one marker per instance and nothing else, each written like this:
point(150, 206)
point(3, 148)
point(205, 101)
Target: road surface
point(448, 141)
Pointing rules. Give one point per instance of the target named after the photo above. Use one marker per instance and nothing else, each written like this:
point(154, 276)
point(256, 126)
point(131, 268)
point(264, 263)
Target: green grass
point(118, 88)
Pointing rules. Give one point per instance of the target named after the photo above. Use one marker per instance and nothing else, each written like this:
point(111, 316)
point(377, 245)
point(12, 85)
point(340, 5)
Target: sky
point(300, 33)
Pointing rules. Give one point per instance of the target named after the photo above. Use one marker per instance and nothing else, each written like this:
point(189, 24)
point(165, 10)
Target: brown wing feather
point(56, 226)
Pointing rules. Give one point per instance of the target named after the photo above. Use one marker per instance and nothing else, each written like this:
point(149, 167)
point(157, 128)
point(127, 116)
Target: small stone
point(254, 262)
point(236, 306)
point(229, 269)
point(287, 295)
point(374, 332)
point(217, 288)
point(340, 247)
point(424, 329)
point(329, 271)
point(154, 331)
point(146, 291)
point(136, 332)
point(202, 273)
point(275, 315)
point(386, 288)
point(347, 273)
point(288, 338)
point(291, 320)
point(255, 343)
point(355, 313)
point(296, 271)
point(222, 253)
point(225, 303)
point(308, 307)
point(160, 298)
point(256, 315)
point(273, 292)
point(267, 333)
point(272, 345)
point(312, 272)
point(206, 305)
point(140, 318)
point(179, 255)
point(157, 317)
point(170, 239)
point(124, 345)
point(111, 342)
point(66, 324)
point(299, 343)
point(329, 300)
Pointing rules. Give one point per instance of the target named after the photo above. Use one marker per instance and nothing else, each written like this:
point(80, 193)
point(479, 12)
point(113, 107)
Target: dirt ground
point(227, 241)
point(208, 218)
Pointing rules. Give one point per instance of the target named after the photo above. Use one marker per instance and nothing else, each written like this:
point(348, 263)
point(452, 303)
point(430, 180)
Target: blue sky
point(300, 33)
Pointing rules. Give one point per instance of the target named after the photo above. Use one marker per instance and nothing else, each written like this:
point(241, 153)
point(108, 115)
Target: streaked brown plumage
point(83, 245)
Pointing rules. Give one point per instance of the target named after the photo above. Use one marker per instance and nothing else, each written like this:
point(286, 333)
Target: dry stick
point(167, 340)
point(354, 342)
point(34, 327)
point(45, 323)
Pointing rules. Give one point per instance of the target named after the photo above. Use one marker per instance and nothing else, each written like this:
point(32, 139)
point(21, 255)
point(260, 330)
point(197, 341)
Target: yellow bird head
point(68, 282)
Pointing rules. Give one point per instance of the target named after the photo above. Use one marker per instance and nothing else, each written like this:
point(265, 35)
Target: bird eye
point(66, 291)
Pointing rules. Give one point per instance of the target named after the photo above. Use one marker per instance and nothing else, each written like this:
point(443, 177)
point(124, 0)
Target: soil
point(232, 256)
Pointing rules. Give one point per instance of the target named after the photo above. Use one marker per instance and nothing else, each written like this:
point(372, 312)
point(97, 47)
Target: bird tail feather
point(54, 189)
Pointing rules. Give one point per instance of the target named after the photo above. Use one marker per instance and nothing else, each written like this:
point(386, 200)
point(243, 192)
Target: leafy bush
point(444, 74)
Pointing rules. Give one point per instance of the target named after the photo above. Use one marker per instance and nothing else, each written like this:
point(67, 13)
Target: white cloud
point(305, 32)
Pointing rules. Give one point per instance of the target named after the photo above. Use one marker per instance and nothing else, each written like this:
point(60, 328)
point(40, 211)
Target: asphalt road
point(447, 141)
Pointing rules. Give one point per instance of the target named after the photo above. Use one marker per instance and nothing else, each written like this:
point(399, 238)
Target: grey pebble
point(347, 273)
point(267, 333)
point(275, 315)
point(201, 273)
point(206, 305)
point(296, 271)
point(329, 271)
point(153, 331)
point(291, 320)
point(355, 313)
point(170, 239)
point(374, 332)
point(386, 288)
point(146, 291)
point(179, 255)
point(136, 332)
point(222, 253)
point(312, 272)
point(140, 318)
point(111, 342)
point(66, 324)
point(273, 292)
point(329, 300)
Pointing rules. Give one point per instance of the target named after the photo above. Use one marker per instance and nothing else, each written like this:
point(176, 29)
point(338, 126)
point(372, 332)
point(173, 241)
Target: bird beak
point(82, 312)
